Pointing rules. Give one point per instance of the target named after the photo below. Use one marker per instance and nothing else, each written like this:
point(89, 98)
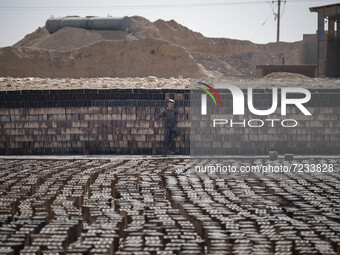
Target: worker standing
point(170, 125)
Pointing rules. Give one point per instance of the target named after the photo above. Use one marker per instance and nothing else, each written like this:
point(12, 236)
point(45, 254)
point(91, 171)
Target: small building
point(305, 63)
point(328, 42)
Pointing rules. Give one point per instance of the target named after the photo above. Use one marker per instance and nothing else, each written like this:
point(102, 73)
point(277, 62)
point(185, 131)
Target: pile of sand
point(121, 58)
point(152, 82)
point(70, 38)
point(220, 56)
point(174, 50)
point(280, 75)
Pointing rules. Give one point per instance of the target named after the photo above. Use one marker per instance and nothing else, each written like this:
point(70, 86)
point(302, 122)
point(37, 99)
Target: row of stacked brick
point(90, 207)
point(244, 213)
point(160, 206)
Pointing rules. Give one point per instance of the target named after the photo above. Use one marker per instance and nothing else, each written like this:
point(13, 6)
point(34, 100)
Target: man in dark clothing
point(170, 128)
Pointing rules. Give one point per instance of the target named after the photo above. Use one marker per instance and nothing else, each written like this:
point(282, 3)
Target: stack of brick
point(123, 121)
point(253, 214)
point(127, 121)
point(147, 206)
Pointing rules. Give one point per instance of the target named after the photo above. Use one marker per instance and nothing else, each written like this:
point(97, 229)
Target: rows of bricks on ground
point(252, 214)
point(228, 215)
point(152, 225)
point(31, 188)
point(91, 207)
point(67, 187)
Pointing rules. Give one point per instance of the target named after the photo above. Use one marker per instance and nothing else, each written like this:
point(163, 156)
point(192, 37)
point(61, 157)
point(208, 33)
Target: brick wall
point(316, 134)
point(127, 121)
point(89, 121)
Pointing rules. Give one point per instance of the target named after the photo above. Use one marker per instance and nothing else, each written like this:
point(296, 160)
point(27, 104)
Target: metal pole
point(278, 21)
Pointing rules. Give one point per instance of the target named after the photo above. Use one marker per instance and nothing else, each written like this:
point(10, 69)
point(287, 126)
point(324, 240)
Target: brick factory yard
point(144, 205)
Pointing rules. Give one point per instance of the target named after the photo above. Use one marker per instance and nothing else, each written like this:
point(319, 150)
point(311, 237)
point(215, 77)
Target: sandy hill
point(160, 48)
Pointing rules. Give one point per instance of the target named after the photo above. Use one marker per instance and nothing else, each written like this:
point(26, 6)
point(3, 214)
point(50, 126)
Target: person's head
point(170, 103)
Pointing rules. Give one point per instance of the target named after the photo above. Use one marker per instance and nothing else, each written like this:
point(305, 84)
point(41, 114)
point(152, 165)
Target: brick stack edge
point(126, 121)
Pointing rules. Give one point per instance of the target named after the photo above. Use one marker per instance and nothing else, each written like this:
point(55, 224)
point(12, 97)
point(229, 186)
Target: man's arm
point(163, 114)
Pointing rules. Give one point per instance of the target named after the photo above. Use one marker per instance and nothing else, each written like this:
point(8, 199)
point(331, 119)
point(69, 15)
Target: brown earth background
point(162, 48)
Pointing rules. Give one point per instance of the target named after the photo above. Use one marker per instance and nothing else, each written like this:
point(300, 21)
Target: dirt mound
point(279, 75)
point(220, 56)
point(170, 31)
point(30, 39)
point(216, 57)
point(70, 38)
point(121, 58)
